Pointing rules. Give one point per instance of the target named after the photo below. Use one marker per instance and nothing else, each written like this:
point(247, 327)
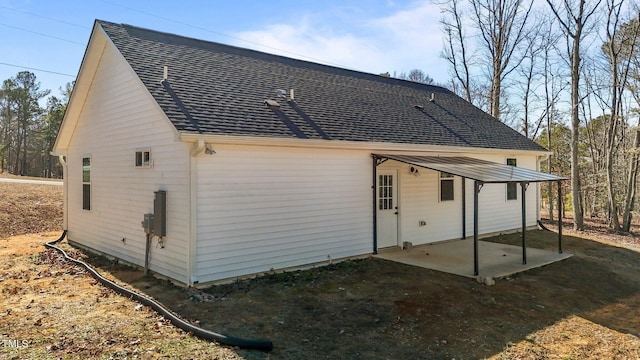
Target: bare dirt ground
point(29, 209)
point(586, 307)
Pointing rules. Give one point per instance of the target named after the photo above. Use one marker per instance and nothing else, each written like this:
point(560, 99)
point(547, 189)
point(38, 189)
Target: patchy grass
point(586, 307)
point(59, 311)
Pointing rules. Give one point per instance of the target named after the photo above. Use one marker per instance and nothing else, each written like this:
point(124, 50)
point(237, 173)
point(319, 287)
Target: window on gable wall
point(86, 183)
point(143, 158)
point(446, 186)
point(512, 188)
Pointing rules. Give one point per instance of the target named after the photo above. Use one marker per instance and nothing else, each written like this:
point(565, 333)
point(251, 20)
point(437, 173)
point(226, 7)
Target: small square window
point(143, 158)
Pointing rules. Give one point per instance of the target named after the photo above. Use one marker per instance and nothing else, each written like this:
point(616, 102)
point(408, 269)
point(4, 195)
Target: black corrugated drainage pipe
point(264, 345)
point(542, 226)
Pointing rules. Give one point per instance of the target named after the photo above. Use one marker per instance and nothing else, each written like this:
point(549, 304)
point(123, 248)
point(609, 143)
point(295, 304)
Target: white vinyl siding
point(420, 201)
point(263, 208)
point(119, 118)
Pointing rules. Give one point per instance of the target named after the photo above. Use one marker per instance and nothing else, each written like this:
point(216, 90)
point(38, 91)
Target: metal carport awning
point(482, 172)
point(474, 169)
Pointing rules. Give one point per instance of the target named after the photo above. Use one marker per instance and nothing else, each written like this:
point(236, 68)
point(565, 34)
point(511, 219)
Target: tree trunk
point(23, 166)
point(573, 25)
point(550, 195)
point(16, 166)
point(576, 193)
point(548, 104)
point(610, 153)
point(630, 197)
point(495, 90)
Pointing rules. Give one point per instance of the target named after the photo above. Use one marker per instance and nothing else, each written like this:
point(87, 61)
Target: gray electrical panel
point(160, 213)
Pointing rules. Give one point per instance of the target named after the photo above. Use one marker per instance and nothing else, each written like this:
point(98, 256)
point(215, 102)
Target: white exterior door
point(387, 208)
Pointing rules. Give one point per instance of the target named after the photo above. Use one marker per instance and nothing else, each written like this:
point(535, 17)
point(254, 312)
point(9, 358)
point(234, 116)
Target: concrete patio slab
point(456, 257)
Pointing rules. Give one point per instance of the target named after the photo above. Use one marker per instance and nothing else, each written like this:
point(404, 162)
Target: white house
point(269, 162)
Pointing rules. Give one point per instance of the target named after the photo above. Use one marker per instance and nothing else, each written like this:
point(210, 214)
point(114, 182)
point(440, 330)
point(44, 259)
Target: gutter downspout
point(65, 184)
point(197, 149)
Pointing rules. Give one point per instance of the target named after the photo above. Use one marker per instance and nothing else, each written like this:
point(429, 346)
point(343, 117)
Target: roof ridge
point(301, 62)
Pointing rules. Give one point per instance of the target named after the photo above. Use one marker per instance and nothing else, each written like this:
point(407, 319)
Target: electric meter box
point(147, 223)
point(160, 213)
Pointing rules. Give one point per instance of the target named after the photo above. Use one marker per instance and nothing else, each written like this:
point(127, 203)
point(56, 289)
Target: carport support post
point(464, 208)
point(523, 186)
point(560, 217)
point(375, 204)
point(477, 185)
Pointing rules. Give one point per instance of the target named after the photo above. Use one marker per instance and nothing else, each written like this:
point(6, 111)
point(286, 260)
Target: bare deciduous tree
point(573, 19)
point(623, 52)
point(614, 47)
point(502, 26)
point(455, 50)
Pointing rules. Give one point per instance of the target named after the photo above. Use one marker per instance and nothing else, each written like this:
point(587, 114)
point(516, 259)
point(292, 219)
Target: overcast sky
point(370, 36)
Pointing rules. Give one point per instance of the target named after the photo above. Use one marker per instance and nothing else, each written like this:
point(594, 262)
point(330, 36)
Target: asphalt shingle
point(219, 89)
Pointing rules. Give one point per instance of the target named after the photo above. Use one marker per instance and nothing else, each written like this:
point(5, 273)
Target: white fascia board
point(346, 145)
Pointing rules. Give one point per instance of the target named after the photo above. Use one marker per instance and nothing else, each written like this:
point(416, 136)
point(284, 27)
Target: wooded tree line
point(566, 74)
point(27, 129)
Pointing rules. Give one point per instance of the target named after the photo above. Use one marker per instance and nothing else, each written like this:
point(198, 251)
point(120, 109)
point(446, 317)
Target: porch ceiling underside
point(475, 169)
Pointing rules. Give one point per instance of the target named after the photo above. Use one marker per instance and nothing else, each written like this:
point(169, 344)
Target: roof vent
point(165, 73)
point(281, 93)
point(291, 94)
point(272, 104)
point(419, 107)
point(433, 97)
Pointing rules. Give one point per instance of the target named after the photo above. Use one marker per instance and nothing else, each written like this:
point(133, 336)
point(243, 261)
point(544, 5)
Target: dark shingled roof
point(219, 89)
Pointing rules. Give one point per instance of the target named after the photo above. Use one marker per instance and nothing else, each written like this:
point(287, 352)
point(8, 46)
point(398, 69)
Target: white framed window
point(512, 187)
point(446, 186)
point(86, 182)
point(143, 158)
